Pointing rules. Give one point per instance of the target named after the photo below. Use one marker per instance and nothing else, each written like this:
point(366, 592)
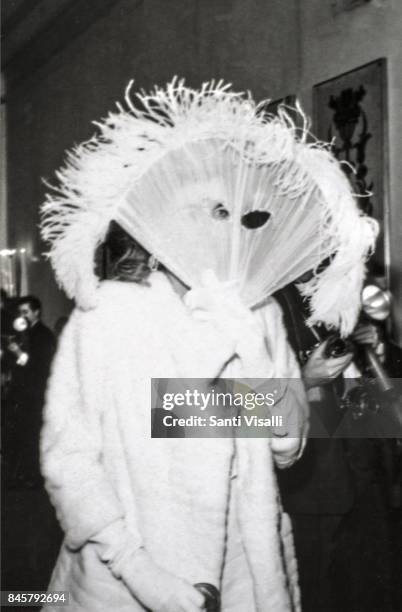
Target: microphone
point(376, 305)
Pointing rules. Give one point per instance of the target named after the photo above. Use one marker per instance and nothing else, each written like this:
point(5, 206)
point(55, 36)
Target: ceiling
point(23, 20)
point(34, 30)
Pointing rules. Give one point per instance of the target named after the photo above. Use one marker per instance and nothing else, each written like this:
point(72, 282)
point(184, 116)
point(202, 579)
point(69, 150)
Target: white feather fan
point(204, 181)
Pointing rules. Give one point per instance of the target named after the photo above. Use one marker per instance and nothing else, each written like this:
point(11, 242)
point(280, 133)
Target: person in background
point(32, 353)
point(6, 332)
point(334, 494)
point(31, 535)
point(7, 362)
point(40, 343)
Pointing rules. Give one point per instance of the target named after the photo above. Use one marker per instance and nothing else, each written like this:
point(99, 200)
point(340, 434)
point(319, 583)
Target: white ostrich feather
point(166, 170)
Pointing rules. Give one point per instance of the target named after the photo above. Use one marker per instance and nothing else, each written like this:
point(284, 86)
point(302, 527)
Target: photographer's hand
point(366, 333)
point(14, 348)
point(22, 358)
point(321, 370)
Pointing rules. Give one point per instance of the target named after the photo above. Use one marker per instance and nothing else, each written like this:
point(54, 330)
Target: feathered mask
point(203, 179)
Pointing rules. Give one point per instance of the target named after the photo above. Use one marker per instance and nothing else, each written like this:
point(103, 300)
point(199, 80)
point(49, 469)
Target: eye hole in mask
point(220, 212)
point(255, 219)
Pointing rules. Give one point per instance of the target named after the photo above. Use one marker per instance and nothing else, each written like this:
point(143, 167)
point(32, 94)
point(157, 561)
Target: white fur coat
point(100, 463)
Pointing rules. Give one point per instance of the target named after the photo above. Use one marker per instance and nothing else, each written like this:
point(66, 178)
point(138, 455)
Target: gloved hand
point(220, 304)
point(156, 588)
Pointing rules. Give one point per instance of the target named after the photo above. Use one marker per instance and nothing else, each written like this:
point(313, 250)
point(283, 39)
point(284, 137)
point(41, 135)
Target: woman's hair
point(128, 260)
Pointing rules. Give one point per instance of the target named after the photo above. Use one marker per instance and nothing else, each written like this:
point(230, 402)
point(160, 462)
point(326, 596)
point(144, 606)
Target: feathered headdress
point(203, 179)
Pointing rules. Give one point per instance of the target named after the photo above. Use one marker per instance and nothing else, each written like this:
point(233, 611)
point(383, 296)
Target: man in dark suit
point(30, 532)
point(334, 492)
point(33, 353)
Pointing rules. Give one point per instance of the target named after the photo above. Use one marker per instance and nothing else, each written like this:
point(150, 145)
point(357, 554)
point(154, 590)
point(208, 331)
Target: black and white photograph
point(201, 305)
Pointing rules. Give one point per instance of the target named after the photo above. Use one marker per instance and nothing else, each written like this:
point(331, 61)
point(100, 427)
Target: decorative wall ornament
point(350, 110)
point(350, 134)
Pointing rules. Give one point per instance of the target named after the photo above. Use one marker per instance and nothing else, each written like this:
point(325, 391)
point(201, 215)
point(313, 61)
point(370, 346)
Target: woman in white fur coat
point(146, 519)
point(204, 181)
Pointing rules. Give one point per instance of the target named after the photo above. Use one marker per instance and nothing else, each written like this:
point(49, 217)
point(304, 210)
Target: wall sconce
point(14, 271)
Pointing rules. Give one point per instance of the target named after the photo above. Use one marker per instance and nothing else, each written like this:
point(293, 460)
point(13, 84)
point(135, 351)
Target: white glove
point(157, 589)
point(221, 304)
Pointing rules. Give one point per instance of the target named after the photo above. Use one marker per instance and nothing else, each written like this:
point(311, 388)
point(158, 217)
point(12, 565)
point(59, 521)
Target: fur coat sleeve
point(72, 438)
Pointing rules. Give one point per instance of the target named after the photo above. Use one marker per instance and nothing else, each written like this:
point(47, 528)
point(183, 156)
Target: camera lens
point(337, 347)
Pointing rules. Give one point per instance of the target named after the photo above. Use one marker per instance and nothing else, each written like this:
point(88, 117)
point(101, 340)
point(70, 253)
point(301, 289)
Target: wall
point(331, 45)
point(272, 47)
point(3, 170)
point(238, 40)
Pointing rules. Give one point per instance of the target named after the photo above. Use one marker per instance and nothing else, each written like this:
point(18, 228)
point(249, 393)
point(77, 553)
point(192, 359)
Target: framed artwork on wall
point(350, 110)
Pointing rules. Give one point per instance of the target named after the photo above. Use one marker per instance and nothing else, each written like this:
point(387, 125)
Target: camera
point(338, 347)
point(14, 333)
